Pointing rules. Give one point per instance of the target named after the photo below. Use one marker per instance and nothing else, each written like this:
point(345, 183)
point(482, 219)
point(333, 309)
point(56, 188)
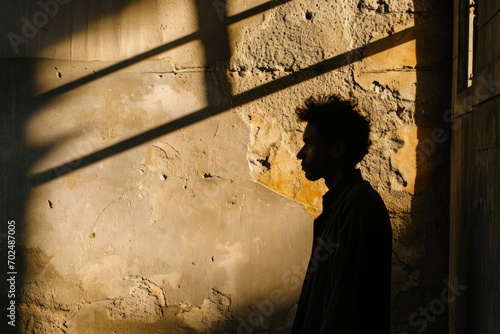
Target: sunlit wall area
point(150, 156)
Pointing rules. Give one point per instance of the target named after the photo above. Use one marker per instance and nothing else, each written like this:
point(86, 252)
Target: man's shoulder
point(362, 188)
point(363, 195)
point(360, 207)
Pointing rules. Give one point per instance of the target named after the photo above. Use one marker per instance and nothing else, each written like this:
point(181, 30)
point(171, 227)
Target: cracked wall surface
point(173, 201)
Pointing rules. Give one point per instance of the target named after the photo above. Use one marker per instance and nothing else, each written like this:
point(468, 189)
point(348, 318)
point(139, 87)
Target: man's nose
point(300, 154)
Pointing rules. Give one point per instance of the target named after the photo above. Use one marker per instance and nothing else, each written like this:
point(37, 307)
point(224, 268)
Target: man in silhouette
point(347, 285)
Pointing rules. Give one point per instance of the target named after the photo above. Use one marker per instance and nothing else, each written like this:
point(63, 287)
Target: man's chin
point(311, 177)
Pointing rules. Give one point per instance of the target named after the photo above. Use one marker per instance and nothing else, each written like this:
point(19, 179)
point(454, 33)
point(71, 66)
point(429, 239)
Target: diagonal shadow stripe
point(40, 99)
point(236, 101)
point(325, 66)
point(254, 11)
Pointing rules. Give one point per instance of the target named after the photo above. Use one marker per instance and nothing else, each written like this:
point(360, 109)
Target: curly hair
point(338, 120)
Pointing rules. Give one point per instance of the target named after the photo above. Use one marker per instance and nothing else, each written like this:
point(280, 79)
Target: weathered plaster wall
point(150, 149)
point(475, 182)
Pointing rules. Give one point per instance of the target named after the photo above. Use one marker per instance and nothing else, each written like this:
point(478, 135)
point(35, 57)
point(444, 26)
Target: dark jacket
point(347, 285)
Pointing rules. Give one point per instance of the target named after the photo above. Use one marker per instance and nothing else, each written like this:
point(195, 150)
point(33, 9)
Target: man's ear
point(338, 149)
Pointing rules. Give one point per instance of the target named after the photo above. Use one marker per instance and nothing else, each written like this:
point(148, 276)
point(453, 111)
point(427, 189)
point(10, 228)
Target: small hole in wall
point(265, 163)
point(309, 15)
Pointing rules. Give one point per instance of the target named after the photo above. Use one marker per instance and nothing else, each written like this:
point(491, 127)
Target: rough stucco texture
point(204, 225)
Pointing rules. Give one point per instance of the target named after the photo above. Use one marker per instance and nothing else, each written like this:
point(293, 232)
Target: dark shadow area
point(420, 309)
point(16, 161)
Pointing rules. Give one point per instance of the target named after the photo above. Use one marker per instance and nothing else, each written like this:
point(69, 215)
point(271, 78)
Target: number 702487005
point(11, 245)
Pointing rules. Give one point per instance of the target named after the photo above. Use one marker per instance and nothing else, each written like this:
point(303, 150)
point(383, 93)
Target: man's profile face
point(314, 154)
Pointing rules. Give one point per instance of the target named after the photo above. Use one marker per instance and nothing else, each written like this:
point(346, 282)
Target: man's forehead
point(310, 131)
